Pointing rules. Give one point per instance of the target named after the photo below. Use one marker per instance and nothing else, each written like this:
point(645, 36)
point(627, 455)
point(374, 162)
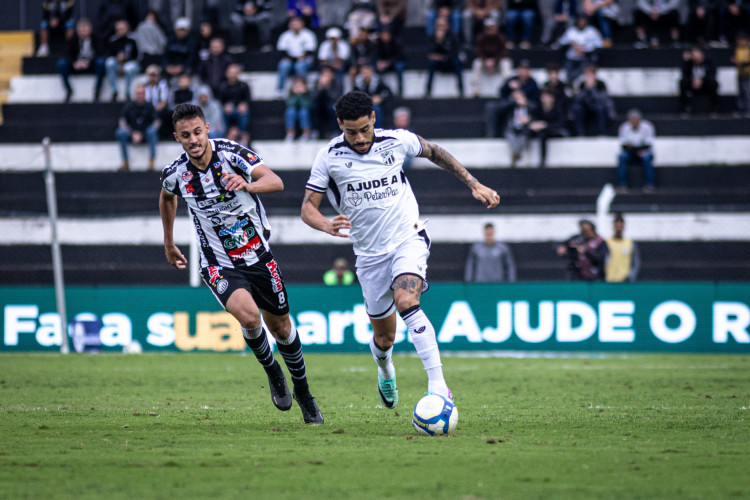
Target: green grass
point(203, 426)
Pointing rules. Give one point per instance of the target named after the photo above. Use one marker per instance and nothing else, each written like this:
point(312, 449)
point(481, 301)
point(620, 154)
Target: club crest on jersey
point(187, 176)
point(388, 158)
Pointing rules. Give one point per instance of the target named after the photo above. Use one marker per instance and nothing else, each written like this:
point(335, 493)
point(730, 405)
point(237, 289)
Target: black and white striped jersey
point(370, 189)
point(231, 226)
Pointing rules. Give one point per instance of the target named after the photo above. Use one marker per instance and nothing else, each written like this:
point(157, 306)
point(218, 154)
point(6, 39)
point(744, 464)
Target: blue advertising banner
point(653, 317)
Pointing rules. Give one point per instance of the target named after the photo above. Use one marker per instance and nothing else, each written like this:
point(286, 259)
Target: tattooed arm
point(449, 163)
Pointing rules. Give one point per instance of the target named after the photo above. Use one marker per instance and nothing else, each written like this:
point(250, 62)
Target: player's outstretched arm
point(168, 210)
point(443, 159)
point(264, 181)
point(312, 217)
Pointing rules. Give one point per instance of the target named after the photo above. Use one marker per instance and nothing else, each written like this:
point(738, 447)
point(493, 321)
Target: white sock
point(383, 360)
point(423, 336)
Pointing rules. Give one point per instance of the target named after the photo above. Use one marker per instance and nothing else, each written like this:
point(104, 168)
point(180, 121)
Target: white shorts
point(377, 273)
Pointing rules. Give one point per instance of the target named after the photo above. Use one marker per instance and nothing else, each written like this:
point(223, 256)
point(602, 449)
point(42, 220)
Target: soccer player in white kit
point(361, 171)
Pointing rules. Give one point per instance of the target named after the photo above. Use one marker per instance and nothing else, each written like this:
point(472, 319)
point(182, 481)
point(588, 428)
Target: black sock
point(295, 363)
point(262, 351)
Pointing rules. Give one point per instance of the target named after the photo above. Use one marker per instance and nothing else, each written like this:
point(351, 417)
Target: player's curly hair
point(187, 112)
point(353, 106)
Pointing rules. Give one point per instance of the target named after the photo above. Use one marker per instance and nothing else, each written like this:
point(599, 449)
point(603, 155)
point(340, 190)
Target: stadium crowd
point(189, 52)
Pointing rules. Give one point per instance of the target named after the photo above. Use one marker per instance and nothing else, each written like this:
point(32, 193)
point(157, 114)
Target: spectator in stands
point(449, 9)
point(519, 112)
point(494, 110)
point(624, 260)
point(362, 15)
point(402, 120)
point(698, 78)
point(476, 12)
point(298, 110)
point(523, 11)
point(205, 35)
point(636, 142)
point(179, 55)
point(213, 70)
point(391, 15)
point(334, 52)
point(184, 92)
point(57, 15)
point(490, 55)
point(556, 86)
point(123, 58)
point(138, 122)
point(327, 91)
point(150, 36)
point(564, 14)
point(111, 11)
point(702, 21)
point(258, 14)
point(369, 82)
point(235, 100)
point(548, 121)
point(443, 55)
point(297, 45)
point(586, 253)
point(389, 56)
point(157, 93)
point(654, 16)
point(490, 261)
point(741, 60)
point(82, 55)
point(603, 13)
point(340, 274)
point(305, 9)
point(213, 113)
point(734, 17)
point(362, 52)
point(583, 42)
point(592, 101)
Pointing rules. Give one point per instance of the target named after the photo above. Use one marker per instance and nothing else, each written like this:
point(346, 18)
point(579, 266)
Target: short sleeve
point(412, 146)
point(169, 180)
point(244, 161)
point(318, 180)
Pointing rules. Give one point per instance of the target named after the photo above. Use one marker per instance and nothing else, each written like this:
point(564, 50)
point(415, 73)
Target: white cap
point(333, 33)
point(183, 23)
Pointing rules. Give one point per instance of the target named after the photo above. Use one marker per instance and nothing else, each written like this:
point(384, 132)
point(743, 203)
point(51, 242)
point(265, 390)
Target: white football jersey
point(371, 189)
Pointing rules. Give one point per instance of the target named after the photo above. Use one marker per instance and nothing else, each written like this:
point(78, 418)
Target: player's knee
point(405, 302)
point(248, 319)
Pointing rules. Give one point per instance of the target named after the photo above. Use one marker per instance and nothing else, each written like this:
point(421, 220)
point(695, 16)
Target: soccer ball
point(435, 415)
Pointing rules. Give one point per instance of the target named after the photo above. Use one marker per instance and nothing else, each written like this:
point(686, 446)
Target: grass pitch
point(203, 426)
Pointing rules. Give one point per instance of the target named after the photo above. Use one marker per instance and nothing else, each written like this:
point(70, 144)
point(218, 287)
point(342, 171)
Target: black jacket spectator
point(138, 116)
point(212, 71)
point(125, 45)
point(180, 52)
point(110, 11)
point(528, 85)
point(234, 93)
point(592, 100)
point(698, 77)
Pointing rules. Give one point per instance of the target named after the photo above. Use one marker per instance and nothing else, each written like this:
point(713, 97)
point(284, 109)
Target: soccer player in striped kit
point(220, 181)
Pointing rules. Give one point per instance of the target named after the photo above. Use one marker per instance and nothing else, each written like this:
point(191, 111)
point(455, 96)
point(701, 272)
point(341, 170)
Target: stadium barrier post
point(603, 204)
point(57, 266)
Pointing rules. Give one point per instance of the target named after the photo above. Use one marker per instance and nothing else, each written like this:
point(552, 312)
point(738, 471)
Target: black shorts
point(263, 280)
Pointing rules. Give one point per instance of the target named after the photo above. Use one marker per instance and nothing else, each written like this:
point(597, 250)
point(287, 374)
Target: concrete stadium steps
point(432, 118)
point(620, 82)
point(559, 190)
point(578, 152)
point(416, 46)
point(145, 264)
